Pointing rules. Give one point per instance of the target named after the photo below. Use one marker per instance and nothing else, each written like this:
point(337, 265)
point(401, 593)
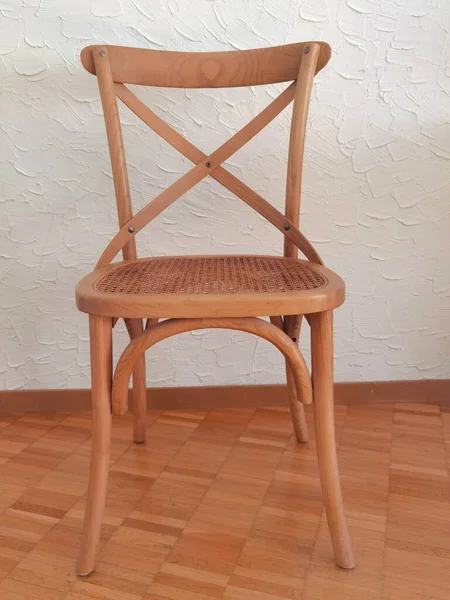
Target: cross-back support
point(299, 91)
point(220, 174)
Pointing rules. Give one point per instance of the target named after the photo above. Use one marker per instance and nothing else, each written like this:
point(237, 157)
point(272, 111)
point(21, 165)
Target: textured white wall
point(376, 187)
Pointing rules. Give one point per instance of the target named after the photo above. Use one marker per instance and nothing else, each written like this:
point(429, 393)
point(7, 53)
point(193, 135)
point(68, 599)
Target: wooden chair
point(197, 292)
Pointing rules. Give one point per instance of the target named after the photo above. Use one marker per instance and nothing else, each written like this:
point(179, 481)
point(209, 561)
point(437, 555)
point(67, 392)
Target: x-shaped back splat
point(204, 164)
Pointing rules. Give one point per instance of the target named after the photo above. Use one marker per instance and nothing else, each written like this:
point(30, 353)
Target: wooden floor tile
point(189, 581)
point(225, 504)
point(11, 589)
point(365, 481)
point(396, 589)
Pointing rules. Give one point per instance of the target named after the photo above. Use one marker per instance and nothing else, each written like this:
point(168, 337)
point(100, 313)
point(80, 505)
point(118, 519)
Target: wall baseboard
point(433, 391)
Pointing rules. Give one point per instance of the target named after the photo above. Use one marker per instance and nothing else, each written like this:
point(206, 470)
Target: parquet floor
point(224, 504)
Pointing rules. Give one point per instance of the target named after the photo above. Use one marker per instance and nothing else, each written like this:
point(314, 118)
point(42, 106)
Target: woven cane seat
point(207, 280)
point(211, 275)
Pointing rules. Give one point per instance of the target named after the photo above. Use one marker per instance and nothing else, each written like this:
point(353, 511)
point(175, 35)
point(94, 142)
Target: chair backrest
point(116, 66)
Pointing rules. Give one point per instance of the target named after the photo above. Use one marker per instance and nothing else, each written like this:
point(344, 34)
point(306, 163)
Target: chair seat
point(209, 286)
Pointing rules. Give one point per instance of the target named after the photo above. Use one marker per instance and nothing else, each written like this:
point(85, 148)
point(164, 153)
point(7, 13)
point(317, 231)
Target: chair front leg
point(322, 376)
point(100, 331)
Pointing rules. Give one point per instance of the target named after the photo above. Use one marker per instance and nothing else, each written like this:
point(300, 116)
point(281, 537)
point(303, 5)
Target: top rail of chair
point(237, 68)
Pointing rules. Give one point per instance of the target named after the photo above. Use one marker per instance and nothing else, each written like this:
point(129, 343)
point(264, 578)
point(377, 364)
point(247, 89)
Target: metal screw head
point(102, 53)
point(306, 50)
point(286, 226)
point(131, 229)
point(207, 164)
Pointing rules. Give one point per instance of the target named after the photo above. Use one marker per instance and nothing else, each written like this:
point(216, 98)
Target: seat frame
point(91, 300)
point(114, 66)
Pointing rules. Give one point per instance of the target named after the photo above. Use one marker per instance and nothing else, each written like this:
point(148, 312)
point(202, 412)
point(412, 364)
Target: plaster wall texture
point(376, 184)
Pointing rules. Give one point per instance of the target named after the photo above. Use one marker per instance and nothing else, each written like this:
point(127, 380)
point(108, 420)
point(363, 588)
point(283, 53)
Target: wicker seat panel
point(210, 275)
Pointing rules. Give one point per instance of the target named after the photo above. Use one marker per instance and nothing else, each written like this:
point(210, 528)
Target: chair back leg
point(139, 401)
point(291, 325)
point(297, 409)
point(135, 327)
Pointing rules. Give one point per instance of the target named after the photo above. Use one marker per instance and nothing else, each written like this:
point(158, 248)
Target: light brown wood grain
point(354, 393)
point(322, 375)
point(315, 293)
point(302, 97)
point(116, 147)
point(100, 332)
point(266, 532)
point(201, 170)
point(124, 212)
point(249, 304)
point(142, 66)
point(172, 327)
point(291, 326)
point(135, 328)
point(222, 175)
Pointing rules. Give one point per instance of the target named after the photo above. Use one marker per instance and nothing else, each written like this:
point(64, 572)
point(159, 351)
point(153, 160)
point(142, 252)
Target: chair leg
point(292, 325)
point(322, 372)
point(139, 401)
point(297, 409)
point(135, 327)
point(100, 331)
